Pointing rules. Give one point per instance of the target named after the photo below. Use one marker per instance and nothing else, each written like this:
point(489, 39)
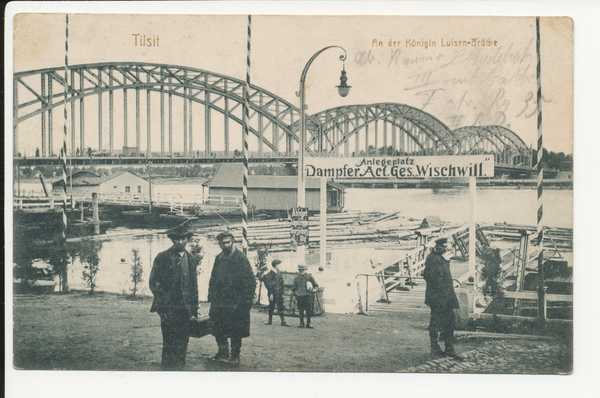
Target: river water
point(513, 206)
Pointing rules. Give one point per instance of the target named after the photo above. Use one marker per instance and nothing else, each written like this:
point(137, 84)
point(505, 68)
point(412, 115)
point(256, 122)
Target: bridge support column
point(110, 115)
point(81, 118)
point(385, 140)
point(170, 122)
point(50, 123)
point(162, 120)
point(137, 119)
point(226, 124)
point(148, 125)
point(356, 143)
point(125, 142)
point(185, 131)
point(73, 144)
point(43, 117)
point(99, 112)
point(275, 139)
point(15, 119)
point(376, 137)
point(191, 130)
point(346, 140)
point(260, 127)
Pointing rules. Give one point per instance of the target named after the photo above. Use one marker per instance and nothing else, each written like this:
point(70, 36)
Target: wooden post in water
point(82, 209)
point(96, 213)
point(43, 184)
point(149, 189)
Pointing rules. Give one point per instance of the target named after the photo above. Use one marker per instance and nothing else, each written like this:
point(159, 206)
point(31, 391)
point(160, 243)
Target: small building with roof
point(121, 182)
point(271, 192)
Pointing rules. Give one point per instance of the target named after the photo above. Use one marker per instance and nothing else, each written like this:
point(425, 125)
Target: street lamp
point(343, 90)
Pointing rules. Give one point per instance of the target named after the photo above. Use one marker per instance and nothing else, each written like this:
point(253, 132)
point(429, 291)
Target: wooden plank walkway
point(402, 302)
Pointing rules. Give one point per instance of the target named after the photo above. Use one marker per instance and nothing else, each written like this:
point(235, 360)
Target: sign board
point(400, 167)
point(299, 231)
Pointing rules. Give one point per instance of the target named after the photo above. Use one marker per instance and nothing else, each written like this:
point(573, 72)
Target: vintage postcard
point(291, 193)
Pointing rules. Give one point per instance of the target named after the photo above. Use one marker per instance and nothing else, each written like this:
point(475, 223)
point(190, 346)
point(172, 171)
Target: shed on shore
point(273, 193)
point(121, 182)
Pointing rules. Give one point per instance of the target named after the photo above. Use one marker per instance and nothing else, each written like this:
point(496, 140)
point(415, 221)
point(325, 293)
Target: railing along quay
point(176, 202)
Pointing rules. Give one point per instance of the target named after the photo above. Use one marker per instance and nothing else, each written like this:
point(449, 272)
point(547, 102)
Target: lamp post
point(343, 90)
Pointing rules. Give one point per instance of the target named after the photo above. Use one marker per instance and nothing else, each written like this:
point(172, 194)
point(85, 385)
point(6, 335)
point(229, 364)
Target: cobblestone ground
point(505, 356)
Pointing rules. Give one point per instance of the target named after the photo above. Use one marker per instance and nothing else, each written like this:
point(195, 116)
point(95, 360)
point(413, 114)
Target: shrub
point(493, 278)
point(197, 251)
point(88, 255)
point(136, 271)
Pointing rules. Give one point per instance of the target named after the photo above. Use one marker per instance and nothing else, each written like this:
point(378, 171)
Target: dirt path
point(110, 332)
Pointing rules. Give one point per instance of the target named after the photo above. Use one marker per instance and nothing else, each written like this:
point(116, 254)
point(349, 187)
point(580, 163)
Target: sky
point(411, 60)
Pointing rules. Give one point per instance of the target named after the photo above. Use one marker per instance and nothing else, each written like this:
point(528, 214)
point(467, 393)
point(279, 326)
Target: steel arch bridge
point(508, 148)
point(176, 95)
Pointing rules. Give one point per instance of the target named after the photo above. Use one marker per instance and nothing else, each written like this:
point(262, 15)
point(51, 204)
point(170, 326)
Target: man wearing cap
point(441, 298)
point(173, 282)
point(230, 293)
point(304, 288)
point(274, 283)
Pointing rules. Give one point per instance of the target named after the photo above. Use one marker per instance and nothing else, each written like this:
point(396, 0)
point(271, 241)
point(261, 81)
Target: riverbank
point(104, 331)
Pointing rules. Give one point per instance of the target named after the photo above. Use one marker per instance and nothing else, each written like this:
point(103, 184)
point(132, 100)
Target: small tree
point(23, 265)
point(260, 263)
point(88, 255)
point(136, 271)
point(196, 251)
point(493, 278)
point(59, 260)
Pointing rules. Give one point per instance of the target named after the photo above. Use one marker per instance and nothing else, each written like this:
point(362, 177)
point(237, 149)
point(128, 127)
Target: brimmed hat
point(275, 262)
point(441, 241)
point(179, 231)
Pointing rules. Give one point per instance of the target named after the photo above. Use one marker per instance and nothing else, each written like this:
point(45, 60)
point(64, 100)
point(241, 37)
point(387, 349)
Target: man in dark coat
point(304, 289)
point(230, 293)
point(441, 298)
point(274, 283)
point(173, 281)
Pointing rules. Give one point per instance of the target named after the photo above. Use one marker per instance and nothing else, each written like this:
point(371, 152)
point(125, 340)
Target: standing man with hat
point(174, 284)
point(274, 283)
point(441, 298)
point(231, 294)
point(304, 289)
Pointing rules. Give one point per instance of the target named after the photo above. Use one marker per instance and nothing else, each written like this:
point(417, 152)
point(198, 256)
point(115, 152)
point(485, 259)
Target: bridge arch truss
point(38, 93)
point(174, 96)
point(508, 148)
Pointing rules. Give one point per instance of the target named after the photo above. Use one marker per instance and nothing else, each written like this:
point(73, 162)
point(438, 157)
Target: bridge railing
point(175, 201)
point(172, 199)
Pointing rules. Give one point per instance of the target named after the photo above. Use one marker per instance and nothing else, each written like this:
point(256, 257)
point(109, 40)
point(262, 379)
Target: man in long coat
point(173, 282)
point(230, 293)
point(441, 298)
